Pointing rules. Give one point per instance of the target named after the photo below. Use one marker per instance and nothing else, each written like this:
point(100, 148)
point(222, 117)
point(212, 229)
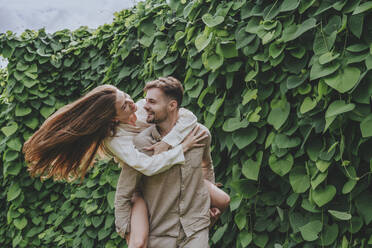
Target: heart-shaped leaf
point(344, 80)
point(366, 126)
point(310, 231)
point(251, 168)
point(13, 192)
point(244, 137)
point(322, 196)
point(245, 237)
point(212, 21)
point(10, 129)
point(278, 115)
point(299, 180)
point(20, 223)
point(202, 41)
point(307, 105)
point(281, 166)
point(364, 207)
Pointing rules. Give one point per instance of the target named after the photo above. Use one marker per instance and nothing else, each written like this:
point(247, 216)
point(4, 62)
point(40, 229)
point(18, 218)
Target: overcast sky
point(53, 15)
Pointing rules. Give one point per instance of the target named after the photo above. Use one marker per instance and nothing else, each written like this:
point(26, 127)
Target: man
point(178, 200)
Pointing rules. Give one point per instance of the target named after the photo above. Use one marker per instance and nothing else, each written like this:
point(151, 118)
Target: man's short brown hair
point(171, 87)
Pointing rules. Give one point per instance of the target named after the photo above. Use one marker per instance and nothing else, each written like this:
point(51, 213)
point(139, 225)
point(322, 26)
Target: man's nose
point(146, 107)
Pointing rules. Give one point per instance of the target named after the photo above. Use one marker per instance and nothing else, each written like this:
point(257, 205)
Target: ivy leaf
point(261, 240)
point(227, 50)
point(251, 168)
point(356, 24)
point(46, 111)
point(318, 179)
point(364, 207)
point(10, 129)
point(283, 141)
point(213, 61)
point(349, 186)
point(336, 108)
point(234, 123)
point(294, 31)
point(329, 234)
point(319, 71)
point(32, 122)
point(299, 180)
point(328, 57)
point(294, 81)
point(310, 231)
point(245, 237)
point(10, 155)
point(344, 80)
point(365, 126)
point(22, 110)
point(322, 196)
point(278, 115)
point(110, 199)
point(15, 144)
point(212, 21)
point(322, 165)
point(281, 166)
point(276, 48)
point(307, 105)
point(202, 41)
point(363, 8)
point(340, 215)
point(20, 223)
point(289, 5)
point(13, 192)
point(21, 66)
point(244, 137)
point(240, 219)
point(219, 233)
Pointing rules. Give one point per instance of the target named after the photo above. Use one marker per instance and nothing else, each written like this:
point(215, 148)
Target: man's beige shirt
point(175, 198)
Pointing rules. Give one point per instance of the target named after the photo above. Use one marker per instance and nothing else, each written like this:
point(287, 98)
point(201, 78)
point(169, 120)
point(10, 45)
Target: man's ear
point(172, 105)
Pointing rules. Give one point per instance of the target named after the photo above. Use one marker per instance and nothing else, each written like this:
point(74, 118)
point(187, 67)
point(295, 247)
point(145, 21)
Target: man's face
point(156, 106)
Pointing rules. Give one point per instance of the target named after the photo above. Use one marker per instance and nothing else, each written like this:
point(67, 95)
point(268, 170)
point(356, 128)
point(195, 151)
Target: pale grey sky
point(53, 15)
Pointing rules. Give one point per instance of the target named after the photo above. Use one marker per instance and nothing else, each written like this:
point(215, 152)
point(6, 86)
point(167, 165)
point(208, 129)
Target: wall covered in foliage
point(285, 87)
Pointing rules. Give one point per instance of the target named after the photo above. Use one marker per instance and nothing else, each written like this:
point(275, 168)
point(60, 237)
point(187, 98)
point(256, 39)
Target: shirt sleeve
point(207, 163)
point(185, 123)
point(122, 148)
point(126, 187)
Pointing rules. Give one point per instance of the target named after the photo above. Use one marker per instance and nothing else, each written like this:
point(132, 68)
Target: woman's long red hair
point(65, 145)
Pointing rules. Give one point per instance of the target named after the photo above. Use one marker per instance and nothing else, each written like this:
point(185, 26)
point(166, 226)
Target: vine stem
point(321, 235)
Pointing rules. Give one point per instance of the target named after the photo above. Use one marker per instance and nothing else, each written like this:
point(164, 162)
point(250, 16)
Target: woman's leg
point(219, 199)
point(139, 223)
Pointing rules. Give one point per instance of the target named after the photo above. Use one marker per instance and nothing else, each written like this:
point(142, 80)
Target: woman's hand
point(158, 147)
point(192, 140)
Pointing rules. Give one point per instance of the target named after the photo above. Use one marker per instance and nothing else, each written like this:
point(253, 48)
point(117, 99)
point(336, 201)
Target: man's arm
point(127, 184)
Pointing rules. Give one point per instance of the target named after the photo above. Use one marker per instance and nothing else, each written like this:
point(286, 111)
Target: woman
point(104, 121)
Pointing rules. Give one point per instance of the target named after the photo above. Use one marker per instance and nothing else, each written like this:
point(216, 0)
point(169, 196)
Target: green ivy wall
point(284, 86)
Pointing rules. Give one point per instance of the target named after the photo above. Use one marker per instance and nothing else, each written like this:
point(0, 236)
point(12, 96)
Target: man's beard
point(154, 119)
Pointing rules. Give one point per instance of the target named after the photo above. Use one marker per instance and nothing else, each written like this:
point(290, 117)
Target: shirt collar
point(155, 134)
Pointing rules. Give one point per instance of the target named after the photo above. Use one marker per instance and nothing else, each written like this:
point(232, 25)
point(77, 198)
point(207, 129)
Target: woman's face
point(125, 107)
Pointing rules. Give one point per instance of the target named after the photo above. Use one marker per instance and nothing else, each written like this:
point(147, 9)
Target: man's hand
point(215, 214)
point(158, 147)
